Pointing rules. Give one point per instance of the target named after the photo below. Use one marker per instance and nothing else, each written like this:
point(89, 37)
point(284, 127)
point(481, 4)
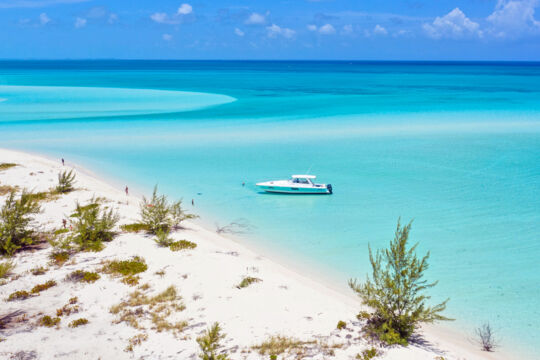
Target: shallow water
point(454, 146)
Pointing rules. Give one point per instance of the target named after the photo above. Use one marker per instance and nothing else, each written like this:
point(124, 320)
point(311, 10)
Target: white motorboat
point(297, 184)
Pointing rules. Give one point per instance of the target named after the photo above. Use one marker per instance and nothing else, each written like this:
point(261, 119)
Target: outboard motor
point(329, 187)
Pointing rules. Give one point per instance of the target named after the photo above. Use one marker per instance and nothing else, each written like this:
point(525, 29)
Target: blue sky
point(271, 29)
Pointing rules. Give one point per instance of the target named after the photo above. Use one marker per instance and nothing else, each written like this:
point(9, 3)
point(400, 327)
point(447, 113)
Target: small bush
point(66, 180)
point(162, 238)
point(486, 338)
point(136, 227)
point(18, 295)
point(136, 340)
point(44, 196)
point(368, 354)
point(131, 280)
point(5, 166)
point(67, 310)
point(39, 270)
point(125, 267)
point(210, 343)
point(341, 325)
point(248, 280)
point(83, 276)
point(15, 220)
point(5, 268)
point(363, 315)
point(61, 231)
point(182, 245)
point(49, 321)
point(6, 189)
point(278, 344)
point(78, 322)
point(41, 287)
point(59, 257)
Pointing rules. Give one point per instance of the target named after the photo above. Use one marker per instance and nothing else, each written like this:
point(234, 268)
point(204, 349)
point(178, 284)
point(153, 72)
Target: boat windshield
point(301, 181)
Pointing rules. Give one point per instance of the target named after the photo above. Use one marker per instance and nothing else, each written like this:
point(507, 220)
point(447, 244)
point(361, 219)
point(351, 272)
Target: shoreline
point(439, 336)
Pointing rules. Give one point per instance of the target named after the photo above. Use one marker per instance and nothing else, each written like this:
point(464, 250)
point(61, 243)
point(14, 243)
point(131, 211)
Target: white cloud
point(275, 31)
point(239, 32)
point(44, 19)
point(256, 19)
point(163, 18)
point(167, 37)
point(80, 22)
point(347, 29)
point(514, 17)
point(379, 30)
point(312, 27)
point(112, 18)
point(185, 9)
point(453, 25)
point(327, 29)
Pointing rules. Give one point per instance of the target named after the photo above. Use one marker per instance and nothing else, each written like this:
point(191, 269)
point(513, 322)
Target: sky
point(271, 29)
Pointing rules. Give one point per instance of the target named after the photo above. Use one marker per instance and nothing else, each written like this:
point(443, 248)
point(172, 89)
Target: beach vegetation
point(5, 166)
point(66, 180)
point(162, 238)
point(42, 287)
point(19, 295)
point(135, 227)
point(182, 245)
point(5, 189)
point(131, 280)
point(78, 322)
point(83, 276)
point(157, 213)
point(70, 308)
point(210, 345)
point(135, 340)
point(396, 291)
point(48, 321)
point(92, 226)
point(59, 257)
point(60, 231)
point(486, 338)
point(246, 281)
point(368, 354)
point(341, 325)
point(279, 344)
point(5, 268)
point(125, 267)
point(44, 196)
point(15, 222)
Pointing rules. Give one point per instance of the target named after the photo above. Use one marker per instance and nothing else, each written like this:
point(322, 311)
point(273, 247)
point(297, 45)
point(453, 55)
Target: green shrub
point(61, 231)
point(41, 287)
point(210, 343)
point(131, 280)
point(5, 189)
point(83, 276)
point(125, 267)
point(5, 268)
point(18, 295)
point(78, 322)
point(39, 270)
point(341, 325)
point(279, 344)
point(158, 214)
point(162, 238)
point(136, 227)
point(396, 291)
point(15, 219)
point(59, 257)
point(248, 280)
point(182, 245)
point(66, 180)
point(368, 354)
point(5, 166)
point(44, 196)
point(92, 226)
point(363, 315)
point(49, 321)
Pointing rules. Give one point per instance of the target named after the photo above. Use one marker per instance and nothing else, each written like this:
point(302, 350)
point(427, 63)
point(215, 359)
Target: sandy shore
point(283, 303)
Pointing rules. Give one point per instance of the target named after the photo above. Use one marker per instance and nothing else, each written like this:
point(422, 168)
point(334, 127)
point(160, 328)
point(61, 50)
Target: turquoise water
point(456, 146)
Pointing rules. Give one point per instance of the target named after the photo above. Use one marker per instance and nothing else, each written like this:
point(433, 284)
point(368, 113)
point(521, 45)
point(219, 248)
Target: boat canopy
point(303, 176)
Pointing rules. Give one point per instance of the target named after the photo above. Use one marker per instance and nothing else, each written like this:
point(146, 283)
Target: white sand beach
point(283, 303)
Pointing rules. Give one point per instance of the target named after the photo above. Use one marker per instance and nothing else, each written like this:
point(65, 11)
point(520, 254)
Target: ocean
point(453, 146)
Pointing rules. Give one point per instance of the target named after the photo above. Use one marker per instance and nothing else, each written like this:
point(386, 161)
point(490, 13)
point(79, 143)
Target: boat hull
point(295, 190)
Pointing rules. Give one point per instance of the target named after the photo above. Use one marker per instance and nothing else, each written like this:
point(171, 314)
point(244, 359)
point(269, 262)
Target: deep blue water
point(456, 146)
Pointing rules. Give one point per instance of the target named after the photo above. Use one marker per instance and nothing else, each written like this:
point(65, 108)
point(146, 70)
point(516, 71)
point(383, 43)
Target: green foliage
point(78, 322)
point(4, 189)
point(5, 268)
point(49, 321)
point(279, 344)
point(83, 276)
point(136, 227)
point(92, 226)
point(158, 214)
point(40, 270)
point(5, 166)
point(210, 343)
point(60, 231)
point(44, 196)
point(59, 257)
point(368, 354)
point(341, 325)
point(162, 238)
point(246, 281)
point(126, 267)
point(182, 245)
point(18, 295)
point(396, 291)
point(15, 219)
point(41, 287)
point(66, 180)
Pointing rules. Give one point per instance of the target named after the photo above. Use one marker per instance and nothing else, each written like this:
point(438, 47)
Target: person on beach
point(62, 161)
point(192, 202)
point(127, 191)
point(64, 222)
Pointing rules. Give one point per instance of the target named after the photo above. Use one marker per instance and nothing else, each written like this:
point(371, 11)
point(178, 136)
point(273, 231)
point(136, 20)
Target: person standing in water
point(127, 191)
point(62, 161)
